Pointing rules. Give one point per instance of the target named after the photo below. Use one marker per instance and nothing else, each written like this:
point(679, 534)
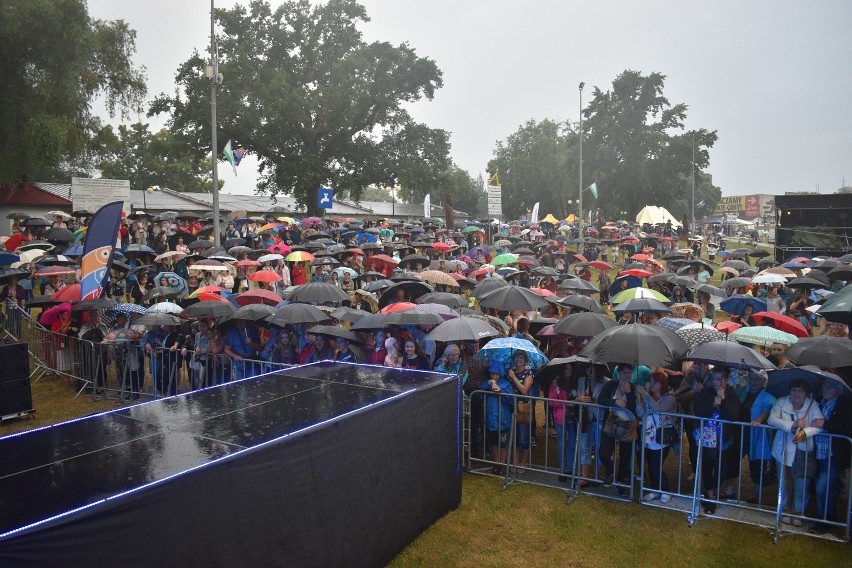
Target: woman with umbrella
point(659, 403)
point(521, 379)
point(716, 401)
point(745, 319)
point(798, 418)
point(618, 394)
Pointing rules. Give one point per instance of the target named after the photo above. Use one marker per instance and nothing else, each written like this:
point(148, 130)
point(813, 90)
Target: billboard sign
point(91, 193)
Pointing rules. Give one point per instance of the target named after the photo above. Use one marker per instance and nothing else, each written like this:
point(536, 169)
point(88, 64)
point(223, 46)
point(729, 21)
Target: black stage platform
point(322, 465)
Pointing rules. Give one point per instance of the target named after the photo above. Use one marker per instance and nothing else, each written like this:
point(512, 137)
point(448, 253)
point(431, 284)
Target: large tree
point(55, 62)
point(637, 151)
point(305, 93)
point(148, 159)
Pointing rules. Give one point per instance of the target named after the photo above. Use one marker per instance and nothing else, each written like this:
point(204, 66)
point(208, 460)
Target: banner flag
point(594, 189)
point(98, 250)
point(534, 216)
point(427, 206)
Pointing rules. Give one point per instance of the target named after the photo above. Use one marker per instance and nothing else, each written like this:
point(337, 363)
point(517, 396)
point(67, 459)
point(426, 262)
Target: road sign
point(325, 197)
point(495, 200)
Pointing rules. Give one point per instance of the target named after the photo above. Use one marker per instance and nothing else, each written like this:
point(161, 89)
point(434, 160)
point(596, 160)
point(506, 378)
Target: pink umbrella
point(51, 315)
point(309, 221)
point(279, 248)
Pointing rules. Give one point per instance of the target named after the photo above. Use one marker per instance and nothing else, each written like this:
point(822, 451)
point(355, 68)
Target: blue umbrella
point(126, 309)
point(138, 249)
point(632, 282)
point(174, 280)
point(503, 349)
point(736, 304)
point(348, 234)
point(366, 238)
point(7, 258)
point(76, 250)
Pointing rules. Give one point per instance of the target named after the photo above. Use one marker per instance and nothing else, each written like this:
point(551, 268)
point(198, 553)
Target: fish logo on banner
point(98, 250)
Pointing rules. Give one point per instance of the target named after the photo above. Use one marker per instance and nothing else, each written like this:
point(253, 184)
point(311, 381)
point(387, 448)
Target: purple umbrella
point(51, 315)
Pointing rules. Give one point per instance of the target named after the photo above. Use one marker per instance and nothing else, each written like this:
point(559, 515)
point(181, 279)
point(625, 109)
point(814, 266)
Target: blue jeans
point(523, 433)
point(799, 496)
point(589, 439)
point(826, 489)
point(566, 446)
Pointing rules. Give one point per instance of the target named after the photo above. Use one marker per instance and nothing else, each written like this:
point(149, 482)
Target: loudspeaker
point(14, 362)
point(15, 397)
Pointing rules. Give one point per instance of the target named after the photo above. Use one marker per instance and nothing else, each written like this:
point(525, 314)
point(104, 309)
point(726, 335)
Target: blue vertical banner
point(98, 250)
point(325, 197)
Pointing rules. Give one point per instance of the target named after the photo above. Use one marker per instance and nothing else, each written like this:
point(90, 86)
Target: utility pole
point(580, 201)
point(693, 228)
point(215, 79)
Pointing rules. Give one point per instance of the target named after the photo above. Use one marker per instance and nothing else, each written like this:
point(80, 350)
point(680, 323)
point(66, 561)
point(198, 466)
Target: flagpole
point(213, 82)
point(694, 229)
point(580, 201)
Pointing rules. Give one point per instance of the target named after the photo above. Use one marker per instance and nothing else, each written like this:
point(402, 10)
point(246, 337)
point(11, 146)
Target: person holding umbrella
point(242, 342)
point(344, 354)
point(658, 403)
point(498, 415)
point(412, 359)
point(564, 388)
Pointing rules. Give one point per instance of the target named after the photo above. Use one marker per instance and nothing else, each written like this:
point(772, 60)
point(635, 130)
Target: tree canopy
point(635, 149)
point(310, 98)
point(50, 80)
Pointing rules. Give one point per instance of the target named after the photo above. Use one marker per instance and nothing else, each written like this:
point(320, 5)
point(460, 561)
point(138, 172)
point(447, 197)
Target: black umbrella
point(842, 272)
point(661, 277)
point(487, 286)
point(94, 304)
point(334, 331)
point(325, 261)
point(82, 213)
point(730, 354)
point(585, 324)
point(413, 259)
point(35, 222)
point(684, 281)
point(641, 305)
point(545, 271)
point(317, 293)
point(779, 379)
point(378, 285)
point(162, 292)
point(134, 249)
point(463, 329)
point(712, 291)
point(201, 243)
point(580, 302)
point(809, 281)
point(59, 234)
point(555, 368)
point(209, 309)
point(822, 351)
point(636, 344)
point(400, 276)
point(158, 318)
point(370, 322)
point(7, 273)
point(18, 215)
point(765, 263)
point(700, 263)
point(235, 242)
point(43, 245)
point(412, 289)
point(674, 255)
point(42, 301)
point(346, 314)
point(736, 265)
point(759, 253)
point(413, 317)
point(298, 313)
point(578, 285)
point(443, 298)
point(738, 282)
point(512, 298)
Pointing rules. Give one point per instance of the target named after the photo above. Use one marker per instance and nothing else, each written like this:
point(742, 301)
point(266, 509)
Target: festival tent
point(654, 215)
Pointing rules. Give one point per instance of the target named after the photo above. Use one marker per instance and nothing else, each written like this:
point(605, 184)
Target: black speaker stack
point(16, 397)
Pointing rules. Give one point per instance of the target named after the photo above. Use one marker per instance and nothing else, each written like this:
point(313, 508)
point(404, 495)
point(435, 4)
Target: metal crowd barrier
point(670, 478)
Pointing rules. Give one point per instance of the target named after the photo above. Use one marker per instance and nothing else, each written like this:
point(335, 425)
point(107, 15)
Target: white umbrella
point(211, 268)
point(769, 278)
point(172, 254)
point(270, 257)
point(62, 214)
point(345, 269)
point(164, 308)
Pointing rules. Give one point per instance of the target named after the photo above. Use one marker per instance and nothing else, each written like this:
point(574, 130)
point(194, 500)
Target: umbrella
point(412, 290)
point(298, 313)
point(7, 273)
point(730, 354)
point(165, 292)
point(674, 323)
point(842, 272)
point(769, 278)
point(436, 277)
point(272, 257)
point(504, 349)
point(370, 322)
point(207, 290)
point(444, 298)
point(822, 351)
point(164, 308)
point(463, 329)
point(736, 304)
point(579, 285)
point(209, 309)
point(135, 249)
point(838, 308)
point(762, 335)
point(68, 294)
point(782, 322)
point(126, 309)
point(555, 368)
point(173, 255)
point(512, 298)
point(334, 331)
point(633, 293)
point(340, 271)
point(504, 259)
point(258, 296)
point(487, 286)
point(158, 318)
point(737, 265)
point(317, 293)
point(279, 248)
point(636, 344)
point(414, 316)
point(102, 303)
point(579, 302)
point(200, 244)
point(738, 282)
point(173, 280)
point(397, 307)
point(379, 285)
point(267, 276)
point(58, 234)
point(712, 291)
point(250, 312)
point(209, 265)
point(779, 379)
point(52, 314)
point(637, 272)
point(299, 256)
point(351, 315)
point(122, 336)
point(585, 324)
point(55, 271)
point(35, 222)
point(641, 305)
point(697, 335)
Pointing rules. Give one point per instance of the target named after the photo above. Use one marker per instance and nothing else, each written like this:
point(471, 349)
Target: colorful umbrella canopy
point(299, 256)
point(397, 307)
point(762, 335)
point(641, 305)
point(781, 322)
point(503, 350)
point(504, 259)
point(633, 293)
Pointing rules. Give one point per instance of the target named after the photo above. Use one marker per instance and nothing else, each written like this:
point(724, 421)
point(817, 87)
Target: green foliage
point(467, 193)
point(308, 96)
point(55, 62)
point(148, 159)
point(376, 194)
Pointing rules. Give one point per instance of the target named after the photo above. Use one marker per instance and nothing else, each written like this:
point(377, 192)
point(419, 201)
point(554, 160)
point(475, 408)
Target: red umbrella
point(727, 326)
point(68, 294)
point(578, 257)
point(55, 271)
point(640, 257)
point(280, 248)
point(380, 259)
point(259, 297)
point(637, 272)
point(543, 292)
point(599, 264)
point(442, 247)
point(481, 272)
point(782, 323)
point(629, 240)
point(355, 250)
point(210, 296)
point(265, 276)
point(398, 307)
point(246, 263)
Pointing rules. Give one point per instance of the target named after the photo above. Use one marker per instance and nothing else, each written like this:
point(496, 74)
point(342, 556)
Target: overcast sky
point(772, 77)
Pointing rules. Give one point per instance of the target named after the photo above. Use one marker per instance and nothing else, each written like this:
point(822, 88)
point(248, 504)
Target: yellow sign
point(494, 179)
point(732, 204)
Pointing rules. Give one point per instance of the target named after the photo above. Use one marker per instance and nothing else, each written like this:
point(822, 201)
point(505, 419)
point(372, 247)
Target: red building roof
point(27, 194)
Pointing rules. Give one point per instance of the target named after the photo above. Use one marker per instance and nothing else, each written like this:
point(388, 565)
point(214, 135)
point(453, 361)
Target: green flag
point(594, 189)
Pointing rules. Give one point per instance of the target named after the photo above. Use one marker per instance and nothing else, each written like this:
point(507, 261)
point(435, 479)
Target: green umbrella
point(838, 308)
point(471, 229)
point(633, 293)
point(504, 259)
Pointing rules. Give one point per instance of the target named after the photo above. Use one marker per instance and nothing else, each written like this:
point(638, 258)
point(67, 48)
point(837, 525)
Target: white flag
point(427, 206)
point(534, 216)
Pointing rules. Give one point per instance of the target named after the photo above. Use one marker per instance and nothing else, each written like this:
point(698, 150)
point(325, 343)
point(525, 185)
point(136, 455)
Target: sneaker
point(786, 520)
point(797, 522)
point(665, 498)
point(607, 482)
point(562, 479)
point(651, 496)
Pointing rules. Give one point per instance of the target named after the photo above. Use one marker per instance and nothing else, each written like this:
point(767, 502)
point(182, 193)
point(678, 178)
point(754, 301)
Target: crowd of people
point(382, 269)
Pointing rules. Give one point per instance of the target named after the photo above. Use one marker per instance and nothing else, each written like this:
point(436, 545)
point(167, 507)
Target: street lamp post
point(580, 200)
point(693, 228)
point(215, 79)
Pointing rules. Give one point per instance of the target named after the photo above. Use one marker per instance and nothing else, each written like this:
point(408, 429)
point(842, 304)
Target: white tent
point(655, 215)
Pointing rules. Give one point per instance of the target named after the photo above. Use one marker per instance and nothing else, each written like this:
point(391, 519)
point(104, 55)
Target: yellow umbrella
point(288, 220)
